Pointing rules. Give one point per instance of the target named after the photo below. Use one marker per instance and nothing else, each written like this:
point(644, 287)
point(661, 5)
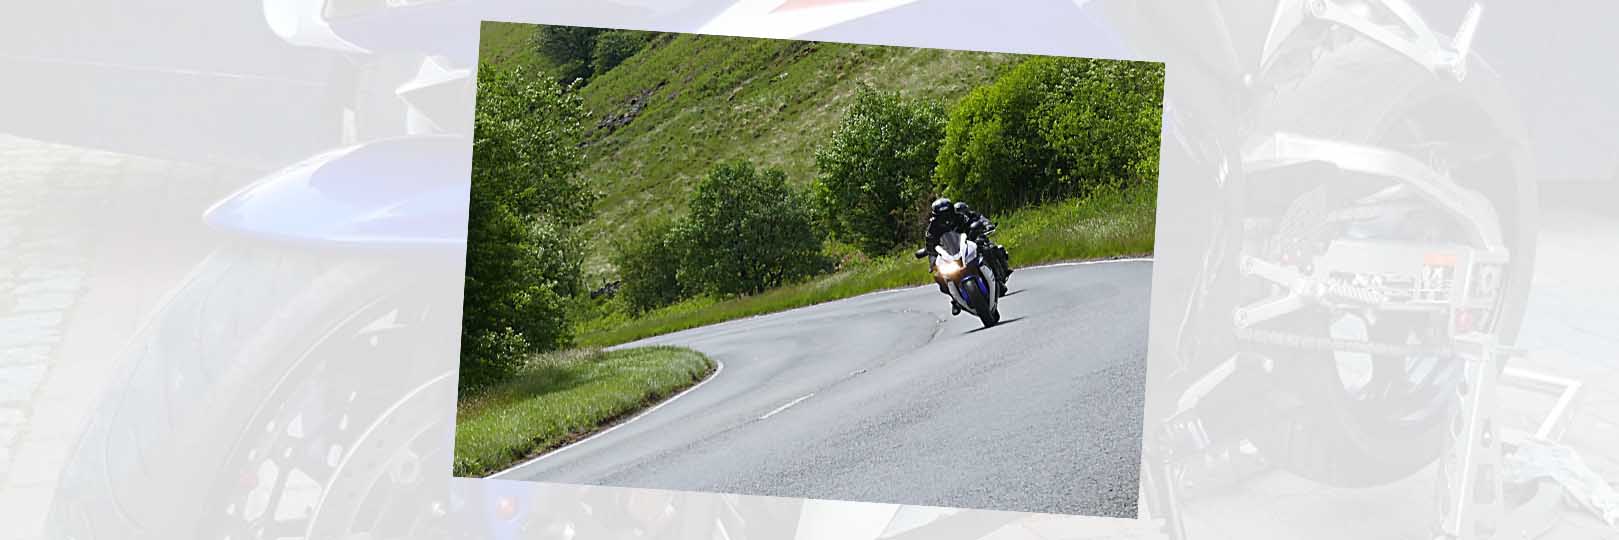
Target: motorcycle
point(1363, 215)
point(344, 272)
point(968, 277)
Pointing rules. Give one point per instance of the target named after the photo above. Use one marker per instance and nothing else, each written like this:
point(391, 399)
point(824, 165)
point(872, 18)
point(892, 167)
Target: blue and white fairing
point(399, 193)
point(964, 273)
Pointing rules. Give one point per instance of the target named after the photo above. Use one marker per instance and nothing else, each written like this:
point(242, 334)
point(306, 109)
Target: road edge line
point(718, 367)
point(1035, 267)
point(647, 341)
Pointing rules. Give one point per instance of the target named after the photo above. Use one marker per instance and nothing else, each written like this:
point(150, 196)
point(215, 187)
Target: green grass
point(562, 397)
point(714, 98)
point(1108, 224)
point(510, 44)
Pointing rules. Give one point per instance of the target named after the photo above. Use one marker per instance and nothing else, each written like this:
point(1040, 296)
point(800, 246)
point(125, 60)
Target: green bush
point(613, 47)
point(491, 356)
point(568, 48)
point(748, 231)
point(876, 169)
point(1104, 125)
point(648, 260)
point(992, 151)
point(1052, 128)
point(523, 259)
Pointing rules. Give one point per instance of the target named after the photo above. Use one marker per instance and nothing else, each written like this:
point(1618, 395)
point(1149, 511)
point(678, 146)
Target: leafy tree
point(648, 261)
point(523, 259)
point(749, 231)
point(613, 47)
point(1052, 128)
point(1105, 125)
point(569, 48)
point(876, 169)
point(992, 153)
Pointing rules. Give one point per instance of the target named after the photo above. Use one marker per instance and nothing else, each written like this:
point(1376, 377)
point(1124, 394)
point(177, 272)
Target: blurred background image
point(179, 362)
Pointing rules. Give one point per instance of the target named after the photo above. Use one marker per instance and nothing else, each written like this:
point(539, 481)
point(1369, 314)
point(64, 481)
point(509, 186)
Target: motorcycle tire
point(990, 317)
point(980, 304)
point(1362, 92)
point(251, 372)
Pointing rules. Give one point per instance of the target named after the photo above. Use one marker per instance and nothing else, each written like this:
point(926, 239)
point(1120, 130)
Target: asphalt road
point(887, 398)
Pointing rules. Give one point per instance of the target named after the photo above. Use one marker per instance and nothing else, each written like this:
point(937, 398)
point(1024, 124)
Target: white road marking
point(784, 407)
point(1036, 267)
point(1083, 263)
point(718, 367)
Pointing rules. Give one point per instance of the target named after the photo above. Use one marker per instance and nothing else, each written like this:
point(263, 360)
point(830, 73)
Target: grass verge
point(559, 398)
point(1107, 224)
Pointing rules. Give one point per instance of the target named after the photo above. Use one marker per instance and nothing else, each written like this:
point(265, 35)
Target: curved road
point(887, 398)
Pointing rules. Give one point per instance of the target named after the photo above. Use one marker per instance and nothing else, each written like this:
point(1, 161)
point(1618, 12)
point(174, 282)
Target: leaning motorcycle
point(960, 266)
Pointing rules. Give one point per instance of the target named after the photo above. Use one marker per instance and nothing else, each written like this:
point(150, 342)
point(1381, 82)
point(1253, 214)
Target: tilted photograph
point(808, 269)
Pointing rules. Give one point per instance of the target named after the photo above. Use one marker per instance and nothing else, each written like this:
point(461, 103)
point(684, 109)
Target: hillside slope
point(662, 118)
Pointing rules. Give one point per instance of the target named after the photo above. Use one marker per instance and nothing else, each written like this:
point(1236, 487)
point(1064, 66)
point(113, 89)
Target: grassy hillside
point(509, 43)
point(686, 102)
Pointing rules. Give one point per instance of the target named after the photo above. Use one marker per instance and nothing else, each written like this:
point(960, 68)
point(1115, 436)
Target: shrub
point(522, 256)
point(488, 357)
point(875, 170)
point(748, 231)
point(568, 48)
point(1104, 125)
point(648, 261)
point(992, 151)
point(1052, 128)
point(613, 47)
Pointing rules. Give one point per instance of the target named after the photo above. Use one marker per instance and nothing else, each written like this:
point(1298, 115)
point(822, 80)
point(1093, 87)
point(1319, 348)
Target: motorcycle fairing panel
point(393, 193)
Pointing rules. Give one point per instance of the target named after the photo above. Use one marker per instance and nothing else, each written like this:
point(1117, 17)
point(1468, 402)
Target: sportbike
point(968, 278)
point(1352, 233)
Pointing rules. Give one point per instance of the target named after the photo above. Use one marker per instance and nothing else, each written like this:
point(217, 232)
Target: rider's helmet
point(962, 208)
point(940, 206)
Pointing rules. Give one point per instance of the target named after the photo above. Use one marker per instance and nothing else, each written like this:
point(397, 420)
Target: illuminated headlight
point(948, 267)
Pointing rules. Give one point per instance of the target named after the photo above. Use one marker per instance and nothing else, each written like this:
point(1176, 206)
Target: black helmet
point(962, 208)
point(941, 205)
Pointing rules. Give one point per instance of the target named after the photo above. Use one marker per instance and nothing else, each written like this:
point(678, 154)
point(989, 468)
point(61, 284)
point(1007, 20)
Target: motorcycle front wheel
point(980, 304)
point(1366, 420)
point(278, 393)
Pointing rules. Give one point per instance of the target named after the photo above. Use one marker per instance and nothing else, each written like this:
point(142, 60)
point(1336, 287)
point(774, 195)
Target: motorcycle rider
point(999, 259)
point(945, 217)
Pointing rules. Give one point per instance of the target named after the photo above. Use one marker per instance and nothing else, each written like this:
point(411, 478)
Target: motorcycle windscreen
point(951, 244)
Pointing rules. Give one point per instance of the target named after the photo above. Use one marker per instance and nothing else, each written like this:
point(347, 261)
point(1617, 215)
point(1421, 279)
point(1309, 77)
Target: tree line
point(1046, 129)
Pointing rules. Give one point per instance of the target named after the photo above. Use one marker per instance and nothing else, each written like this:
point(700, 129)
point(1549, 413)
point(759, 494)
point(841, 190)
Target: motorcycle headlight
point(947, 266)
